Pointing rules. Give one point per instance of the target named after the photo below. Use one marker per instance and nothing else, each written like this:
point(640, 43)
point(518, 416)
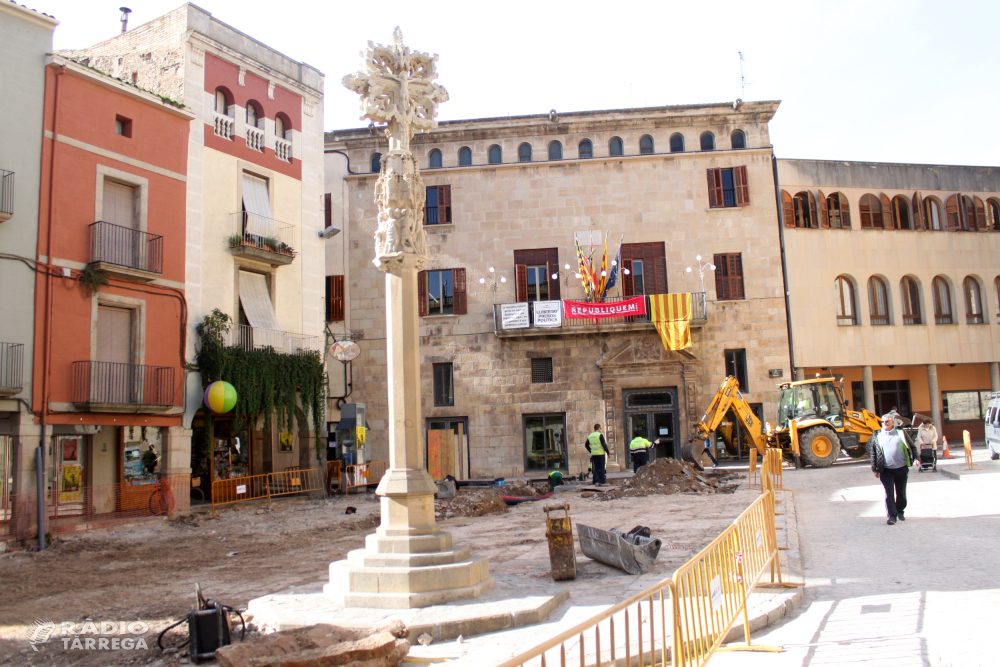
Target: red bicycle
point(161, 502)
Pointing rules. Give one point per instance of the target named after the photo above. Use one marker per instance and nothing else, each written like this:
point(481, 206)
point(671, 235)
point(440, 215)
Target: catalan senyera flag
point(671, 315)
point(602, 275)
point(584, 272)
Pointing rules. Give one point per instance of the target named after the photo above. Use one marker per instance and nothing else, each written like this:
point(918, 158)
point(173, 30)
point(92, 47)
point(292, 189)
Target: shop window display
point(230, 449)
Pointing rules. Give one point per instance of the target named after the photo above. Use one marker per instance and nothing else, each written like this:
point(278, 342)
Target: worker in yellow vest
point(598, 449)
point(639, 448)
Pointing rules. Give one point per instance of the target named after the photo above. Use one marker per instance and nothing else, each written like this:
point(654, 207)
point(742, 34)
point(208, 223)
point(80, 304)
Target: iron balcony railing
point(11, 368)
point(256, 231)
point(124, 246)
point(6, 194)
point(246, 337)
point(699, 315)
point(109, 383)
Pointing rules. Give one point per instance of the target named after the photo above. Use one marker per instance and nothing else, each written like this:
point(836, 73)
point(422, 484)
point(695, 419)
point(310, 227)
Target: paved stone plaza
point(923, 592)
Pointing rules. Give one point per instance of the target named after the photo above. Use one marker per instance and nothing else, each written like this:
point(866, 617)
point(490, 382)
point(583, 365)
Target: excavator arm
point(729, 397)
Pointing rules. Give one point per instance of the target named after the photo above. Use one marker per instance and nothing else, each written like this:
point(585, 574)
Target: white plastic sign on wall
point(548, 313)
point(241, 489)
point(514, 315)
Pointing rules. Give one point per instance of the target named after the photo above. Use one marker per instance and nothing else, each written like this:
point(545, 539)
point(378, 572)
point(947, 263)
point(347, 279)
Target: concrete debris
point(470, 501)
point(320, 645)
point(425, 639)
point(666, 476)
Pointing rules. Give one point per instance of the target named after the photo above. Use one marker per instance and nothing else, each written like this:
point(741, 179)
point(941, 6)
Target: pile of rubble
point(666, 476)
point(471, 501)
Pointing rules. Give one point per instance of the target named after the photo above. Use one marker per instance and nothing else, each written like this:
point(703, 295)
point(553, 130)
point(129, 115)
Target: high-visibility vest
point(639, 442)
point(596, 448)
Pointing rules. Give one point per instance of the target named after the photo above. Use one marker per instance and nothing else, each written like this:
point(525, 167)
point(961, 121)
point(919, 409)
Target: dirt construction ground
point(147, 571)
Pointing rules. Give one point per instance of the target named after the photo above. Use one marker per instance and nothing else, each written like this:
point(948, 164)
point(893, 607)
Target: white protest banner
point(547, 313)
point(514, 315)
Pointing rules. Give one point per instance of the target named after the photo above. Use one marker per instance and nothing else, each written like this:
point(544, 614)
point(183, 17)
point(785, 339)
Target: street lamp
point(565, 273)
point(701, 270)
point(493, 281)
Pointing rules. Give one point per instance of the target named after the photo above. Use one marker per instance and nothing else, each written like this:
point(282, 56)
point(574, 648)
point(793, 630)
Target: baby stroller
point(928, 460)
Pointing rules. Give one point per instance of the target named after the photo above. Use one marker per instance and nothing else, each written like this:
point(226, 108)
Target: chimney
point(125, 12)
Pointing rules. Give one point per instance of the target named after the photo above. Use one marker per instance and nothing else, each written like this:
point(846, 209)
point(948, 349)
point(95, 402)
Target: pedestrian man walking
point(598, 449)
point(639, 448)
point(891, 456)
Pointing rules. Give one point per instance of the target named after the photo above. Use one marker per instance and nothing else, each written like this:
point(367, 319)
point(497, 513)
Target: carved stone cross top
point(397, 88)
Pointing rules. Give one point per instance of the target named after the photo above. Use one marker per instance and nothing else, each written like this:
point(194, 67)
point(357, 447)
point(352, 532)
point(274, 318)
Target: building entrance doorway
point(888, 393)
point(652, 414)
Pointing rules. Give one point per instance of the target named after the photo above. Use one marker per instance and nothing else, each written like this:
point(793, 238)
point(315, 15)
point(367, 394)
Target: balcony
point(104, 386)
point(11, 369)
point(6, 195)
point(126, 252)
point(255, 139)
point(283, 150)
point(224, 126)
point(699, 317)
point(245, 337)
point(262, 239)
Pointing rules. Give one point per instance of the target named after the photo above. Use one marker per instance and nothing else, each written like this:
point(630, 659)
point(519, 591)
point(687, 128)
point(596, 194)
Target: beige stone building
point(912, 253)
point(505, 198)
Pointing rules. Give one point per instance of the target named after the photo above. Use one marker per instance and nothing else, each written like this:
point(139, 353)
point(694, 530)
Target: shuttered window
point(256, 301)
point(437, 210)
point(911, 301)
point(442, 292)
point(870, 209)
point(334, 298)
point(973, 301)
point(530, 285)
point(541, 370)
point(942, 301)
point(119, 204)
point(114, 335)
point(844, 294)
point(728, 187)
point(729, 276)
point(878, 301)
point(652, 259)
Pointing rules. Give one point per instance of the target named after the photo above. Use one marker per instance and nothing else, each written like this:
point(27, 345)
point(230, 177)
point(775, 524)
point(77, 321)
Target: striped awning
point(256, 302)
point(258, 207)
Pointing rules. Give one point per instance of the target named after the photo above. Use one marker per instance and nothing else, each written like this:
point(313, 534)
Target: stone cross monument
point(408, 562)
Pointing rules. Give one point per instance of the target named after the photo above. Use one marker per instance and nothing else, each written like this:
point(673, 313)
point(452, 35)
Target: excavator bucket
point(692, 453)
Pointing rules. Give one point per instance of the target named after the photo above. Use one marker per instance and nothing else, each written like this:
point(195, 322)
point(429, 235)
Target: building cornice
point(29, 15)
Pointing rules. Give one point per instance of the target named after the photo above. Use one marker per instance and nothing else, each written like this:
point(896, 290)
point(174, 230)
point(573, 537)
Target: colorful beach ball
point(220, 397)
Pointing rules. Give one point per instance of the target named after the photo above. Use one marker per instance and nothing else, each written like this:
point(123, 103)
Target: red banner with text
point(625, 308)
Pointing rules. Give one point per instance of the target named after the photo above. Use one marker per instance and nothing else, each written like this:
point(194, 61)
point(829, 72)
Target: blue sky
point(879, 80)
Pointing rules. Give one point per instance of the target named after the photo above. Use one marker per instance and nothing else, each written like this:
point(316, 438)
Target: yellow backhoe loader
point(813, 424)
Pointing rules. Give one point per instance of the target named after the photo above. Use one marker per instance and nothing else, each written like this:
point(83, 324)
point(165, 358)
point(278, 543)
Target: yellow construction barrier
point(363, 474)
point(752, 470)
point(967, 440)
point(239, 489)
point(296, 481)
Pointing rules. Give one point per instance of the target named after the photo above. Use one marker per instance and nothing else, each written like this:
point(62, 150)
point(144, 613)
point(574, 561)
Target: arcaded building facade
point(505, 198)
point(894, 282)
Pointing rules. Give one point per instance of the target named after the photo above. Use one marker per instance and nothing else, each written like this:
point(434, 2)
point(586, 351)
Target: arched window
point(911, 300)
point(973, 301)
point(942, 301)
point(253, 114)
point(646, 145)
point(434, 159)
point(221, 102)
point(838, 211)
point(615, 147)
point(495, 155)
point(805, 210)
point(900, 213)
point(968, 214)
point(870, 209)
point(994, 215)
point(878, 301)
point(524, 153)
point(465, 156)
point(279, 127)
point(932, 214)
point(677, 143)
point(739, 139)
point(707, 141)
point(555, 150)
point(586, 148)
point(844, 294)
point(376, 163)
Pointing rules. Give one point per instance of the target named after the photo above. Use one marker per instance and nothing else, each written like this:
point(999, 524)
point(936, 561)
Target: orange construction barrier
point(947, 452)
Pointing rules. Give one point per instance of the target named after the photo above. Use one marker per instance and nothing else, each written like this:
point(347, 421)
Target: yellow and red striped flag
point(671, 315)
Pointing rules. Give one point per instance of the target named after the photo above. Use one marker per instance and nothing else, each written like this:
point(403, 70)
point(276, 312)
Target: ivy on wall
point(265, 380)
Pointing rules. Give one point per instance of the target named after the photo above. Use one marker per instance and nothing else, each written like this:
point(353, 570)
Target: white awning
point(257, 302)
point(258, 207)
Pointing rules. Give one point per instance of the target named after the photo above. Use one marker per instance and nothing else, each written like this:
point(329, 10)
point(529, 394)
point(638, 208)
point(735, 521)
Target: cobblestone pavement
point(921, 592)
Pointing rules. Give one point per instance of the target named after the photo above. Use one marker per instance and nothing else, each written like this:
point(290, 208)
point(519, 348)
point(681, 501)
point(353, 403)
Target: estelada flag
point(584, 271)
point(671, 315)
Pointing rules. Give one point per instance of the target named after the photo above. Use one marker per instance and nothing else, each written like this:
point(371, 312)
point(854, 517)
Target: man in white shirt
point(891, 457)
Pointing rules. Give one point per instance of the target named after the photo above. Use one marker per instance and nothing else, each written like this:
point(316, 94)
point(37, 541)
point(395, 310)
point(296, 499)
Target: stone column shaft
point(869, 388)
point(994, 376)
point(935, 395)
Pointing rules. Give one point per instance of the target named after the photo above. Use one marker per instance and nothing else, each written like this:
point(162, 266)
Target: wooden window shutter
point(788, 211)
point(334, 298)
point(824, 215)
point(952, 213)
point(813, 220)
point(866, 211)
point(715, 199)
point(422, 292)
point(628, 284)
point(426, 214)
point(327, 210)
point(980, 215)
point(521, 281)
point(845, 211)
point(444, 204)
point(918, 212)
point(461, 302)
point(888, 219)
point(736, 276)
point(655, 259)
point(877, 212)
point(742, 186)
point(552, 266)
point(721, 277)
